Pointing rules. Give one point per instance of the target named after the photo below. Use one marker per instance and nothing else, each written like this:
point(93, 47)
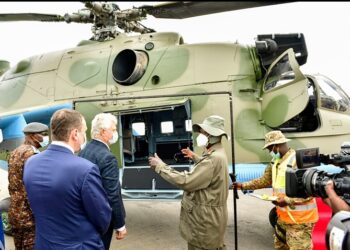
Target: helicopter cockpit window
point(280, 74)
point(332, 97)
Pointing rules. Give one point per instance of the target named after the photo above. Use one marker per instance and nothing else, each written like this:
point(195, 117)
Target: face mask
point(114, 139)
point(45, 141)
point(274, 155)
point(202, 140)
point(82, 146)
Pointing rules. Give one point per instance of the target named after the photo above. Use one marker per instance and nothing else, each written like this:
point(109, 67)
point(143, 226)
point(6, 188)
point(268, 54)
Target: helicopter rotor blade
point(31, 17)
point(181, 10)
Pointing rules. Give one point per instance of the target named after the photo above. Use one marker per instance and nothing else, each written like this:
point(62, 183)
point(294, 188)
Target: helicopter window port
point(138, 129)
point(167, 127)
point(332, 97)
point(129, 66)
point(188, 125)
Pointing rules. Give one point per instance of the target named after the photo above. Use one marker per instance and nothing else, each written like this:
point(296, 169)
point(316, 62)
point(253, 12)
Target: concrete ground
point(153, 225)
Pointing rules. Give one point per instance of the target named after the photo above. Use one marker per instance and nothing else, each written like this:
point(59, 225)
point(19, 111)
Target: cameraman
point(296, 216)
point(334, 201)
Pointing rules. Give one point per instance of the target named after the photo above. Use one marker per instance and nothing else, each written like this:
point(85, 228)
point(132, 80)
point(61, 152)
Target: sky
point(325, 26)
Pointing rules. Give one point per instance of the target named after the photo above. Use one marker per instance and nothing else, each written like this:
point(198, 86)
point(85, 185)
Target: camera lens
point(314, 182)
point(307, 180)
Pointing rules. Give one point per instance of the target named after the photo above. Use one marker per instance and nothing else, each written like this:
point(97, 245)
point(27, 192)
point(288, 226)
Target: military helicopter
point(157, 86)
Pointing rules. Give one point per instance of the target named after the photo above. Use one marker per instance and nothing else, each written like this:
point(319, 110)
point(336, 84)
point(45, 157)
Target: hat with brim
point(213, 125)
point(273, 138)
point(35, 127)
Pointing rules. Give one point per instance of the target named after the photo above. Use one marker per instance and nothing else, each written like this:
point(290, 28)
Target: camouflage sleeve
point(28, 153)
point(262, 182)
point(16, 163)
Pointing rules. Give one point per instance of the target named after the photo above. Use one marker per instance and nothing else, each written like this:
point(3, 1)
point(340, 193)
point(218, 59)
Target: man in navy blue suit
point(65, 192)
point(104, 133)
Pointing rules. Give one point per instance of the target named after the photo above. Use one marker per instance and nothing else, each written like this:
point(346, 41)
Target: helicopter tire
point(273, 217)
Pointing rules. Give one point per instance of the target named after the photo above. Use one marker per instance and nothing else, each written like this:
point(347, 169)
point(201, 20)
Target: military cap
point(274, 137)
point(35, 127)
point(213, 125)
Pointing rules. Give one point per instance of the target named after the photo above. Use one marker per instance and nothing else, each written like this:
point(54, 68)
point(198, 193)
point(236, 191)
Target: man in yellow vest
point(296, 216)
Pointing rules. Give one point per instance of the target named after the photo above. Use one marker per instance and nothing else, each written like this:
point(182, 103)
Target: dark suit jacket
point(99, 154)
point(70, 205)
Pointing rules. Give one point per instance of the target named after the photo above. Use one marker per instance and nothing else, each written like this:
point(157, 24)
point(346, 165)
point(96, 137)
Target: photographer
point(334, 201)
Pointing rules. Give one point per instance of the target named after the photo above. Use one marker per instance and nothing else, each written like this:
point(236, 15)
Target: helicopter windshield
point(331, 95)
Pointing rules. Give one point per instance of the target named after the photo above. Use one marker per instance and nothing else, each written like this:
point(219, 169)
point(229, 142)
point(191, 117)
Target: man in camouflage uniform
point(20, 214)
point(296, 216)
point(203, 217)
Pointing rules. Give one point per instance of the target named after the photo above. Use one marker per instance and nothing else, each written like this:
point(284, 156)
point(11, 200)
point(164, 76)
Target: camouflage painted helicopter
point(157, 85)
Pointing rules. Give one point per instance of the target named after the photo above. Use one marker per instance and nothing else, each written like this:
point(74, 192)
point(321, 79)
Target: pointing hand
point(154, 161)
point(187, 153)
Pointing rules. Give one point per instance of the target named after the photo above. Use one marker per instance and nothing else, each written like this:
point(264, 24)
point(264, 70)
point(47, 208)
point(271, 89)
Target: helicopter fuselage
point(213, 76)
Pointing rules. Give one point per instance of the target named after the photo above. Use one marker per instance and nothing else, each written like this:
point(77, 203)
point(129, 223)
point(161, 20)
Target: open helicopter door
point(153, 125)
point(284, 92)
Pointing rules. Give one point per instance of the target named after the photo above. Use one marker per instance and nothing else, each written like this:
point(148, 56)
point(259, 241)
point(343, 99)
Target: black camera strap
point(280, 233)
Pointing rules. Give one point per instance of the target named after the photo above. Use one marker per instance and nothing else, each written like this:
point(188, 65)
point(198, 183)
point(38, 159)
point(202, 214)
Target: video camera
point(308, 181)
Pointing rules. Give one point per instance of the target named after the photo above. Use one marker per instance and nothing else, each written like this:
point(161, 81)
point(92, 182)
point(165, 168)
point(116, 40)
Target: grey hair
point(102, 121)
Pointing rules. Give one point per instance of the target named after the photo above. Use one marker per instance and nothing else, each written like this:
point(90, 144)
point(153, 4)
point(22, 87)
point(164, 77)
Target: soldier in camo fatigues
point(296, 216)
point(20, 214)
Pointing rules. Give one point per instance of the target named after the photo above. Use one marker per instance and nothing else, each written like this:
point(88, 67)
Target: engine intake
point(129, 66)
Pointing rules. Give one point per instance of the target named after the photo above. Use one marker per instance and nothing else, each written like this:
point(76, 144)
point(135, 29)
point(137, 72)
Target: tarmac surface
point(153, 225)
